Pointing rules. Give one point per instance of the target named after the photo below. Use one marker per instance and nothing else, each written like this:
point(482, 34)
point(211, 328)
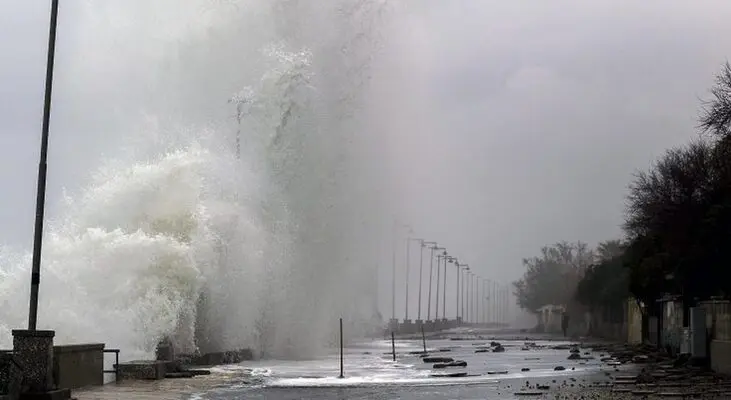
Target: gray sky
point(528, 117)
point(543, 110)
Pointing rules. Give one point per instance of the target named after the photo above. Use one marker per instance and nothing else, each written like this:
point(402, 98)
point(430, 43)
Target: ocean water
point(370, 373)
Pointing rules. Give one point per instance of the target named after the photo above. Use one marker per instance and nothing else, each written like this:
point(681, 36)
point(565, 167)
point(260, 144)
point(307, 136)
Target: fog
point(519, 124)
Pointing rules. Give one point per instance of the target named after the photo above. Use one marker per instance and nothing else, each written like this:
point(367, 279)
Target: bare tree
point(716, 116)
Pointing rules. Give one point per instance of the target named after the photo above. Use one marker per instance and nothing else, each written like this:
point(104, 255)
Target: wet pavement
point(523, 370)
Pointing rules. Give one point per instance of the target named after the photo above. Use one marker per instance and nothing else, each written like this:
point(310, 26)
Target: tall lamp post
point(474, 298)
point(460, 295)
point(396, 226)
point(495, 311)
point(444, 290)
point(35, 347)
point(455, 261)
point(406, 302)
point(467, 295)
point(485, 300)
point(431, 275)
point(35, 277)
point(419, 321)
point(439, 269)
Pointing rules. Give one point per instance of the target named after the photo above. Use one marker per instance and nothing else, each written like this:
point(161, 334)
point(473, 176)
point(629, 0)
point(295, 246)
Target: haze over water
point(492, 129)
point(173, 229)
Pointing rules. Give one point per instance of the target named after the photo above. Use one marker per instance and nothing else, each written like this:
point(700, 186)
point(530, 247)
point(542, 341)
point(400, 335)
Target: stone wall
point(718, 324)
point(79, 365)
point(10, 375)
point(623, 324)
point(634, 322)
point(672, 326)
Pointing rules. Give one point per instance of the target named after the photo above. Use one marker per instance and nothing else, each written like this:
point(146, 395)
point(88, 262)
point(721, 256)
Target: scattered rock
point(641, 359)
point(450, 375)
point(459, 363)
point(432, 360)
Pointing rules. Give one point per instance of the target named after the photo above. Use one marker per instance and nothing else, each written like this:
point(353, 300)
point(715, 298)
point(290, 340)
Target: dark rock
point(174, 375)
point(560, 368)
point(524, 369)
point(575, 356)
point(458, 363)
point(197, 372)
point(498, 349)
point(450, 375)
point(432, 360)
point(641, 359)
point(681, 360)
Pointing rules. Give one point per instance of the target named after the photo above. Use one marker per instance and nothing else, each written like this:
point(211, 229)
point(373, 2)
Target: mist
point(491, 128)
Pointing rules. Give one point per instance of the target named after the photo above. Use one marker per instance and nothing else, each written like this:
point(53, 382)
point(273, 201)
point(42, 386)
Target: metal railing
point(115, 369)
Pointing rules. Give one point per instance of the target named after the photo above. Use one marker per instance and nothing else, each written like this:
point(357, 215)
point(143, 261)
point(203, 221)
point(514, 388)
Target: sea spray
point(176, 234)
point(127, 262)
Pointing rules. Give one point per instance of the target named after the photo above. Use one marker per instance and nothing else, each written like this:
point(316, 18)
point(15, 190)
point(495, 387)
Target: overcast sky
point(534, 114)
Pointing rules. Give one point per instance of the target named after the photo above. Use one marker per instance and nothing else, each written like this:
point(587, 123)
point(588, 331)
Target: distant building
point(549, 318)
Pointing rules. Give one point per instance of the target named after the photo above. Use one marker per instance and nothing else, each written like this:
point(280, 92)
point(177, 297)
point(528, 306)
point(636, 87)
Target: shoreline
point(627, 371)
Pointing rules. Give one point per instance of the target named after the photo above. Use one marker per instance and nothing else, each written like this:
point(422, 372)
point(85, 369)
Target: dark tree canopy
point(551, 278)
point(677, 226)
point(605, 284)
point(716, 116)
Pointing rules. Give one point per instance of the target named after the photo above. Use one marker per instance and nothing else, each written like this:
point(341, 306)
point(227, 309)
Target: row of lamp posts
point(477, 301)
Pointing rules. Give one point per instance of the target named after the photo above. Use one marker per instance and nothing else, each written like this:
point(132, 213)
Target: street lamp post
point(35, 347)
point(396, 226)
point(421, 273)
point(35, 277)
point(460, 295)
point(467, 295)
point(439, 269)
point(455, 261)
point(393, 283)
point(406, 302)
point(485, 299)
point(444, 291)
point(474, 297)
point(431, 275)
point(495, 315)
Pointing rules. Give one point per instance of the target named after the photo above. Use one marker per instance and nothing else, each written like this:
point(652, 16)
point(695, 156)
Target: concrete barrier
point(141, 370)
point(78, 365)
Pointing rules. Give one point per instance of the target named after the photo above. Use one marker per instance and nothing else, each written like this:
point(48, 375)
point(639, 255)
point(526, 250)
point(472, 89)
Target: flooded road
point(371, 373)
